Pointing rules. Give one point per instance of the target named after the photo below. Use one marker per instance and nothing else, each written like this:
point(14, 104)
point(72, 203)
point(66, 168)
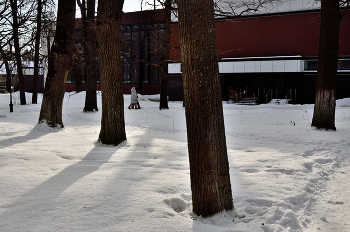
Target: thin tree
point(89, 46)
point(5, 40)
point(59, 65)
point(165, 56)
point(109, 16)
point(325, 100)
point(209, 167)
point(225, 8)
point(37, 52)
point(5, 56)
point(15, 27)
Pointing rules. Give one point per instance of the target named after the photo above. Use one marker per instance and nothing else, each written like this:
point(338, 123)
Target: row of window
point(311, 65)
point(141, 47)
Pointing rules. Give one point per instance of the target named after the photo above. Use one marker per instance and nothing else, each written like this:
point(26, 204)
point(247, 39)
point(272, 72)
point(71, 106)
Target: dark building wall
point(176, 90)
point(28, 83)
point(141, 34)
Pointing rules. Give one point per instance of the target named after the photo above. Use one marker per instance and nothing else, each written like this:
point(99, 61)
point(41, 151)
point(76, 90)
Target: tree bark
point(109, 15)
point(209, 167)
point(90, 58)
point(324, 109)
point(36, 58)
point(5, 58)
point(15, 27)
point(60, 61)
point(165, 57)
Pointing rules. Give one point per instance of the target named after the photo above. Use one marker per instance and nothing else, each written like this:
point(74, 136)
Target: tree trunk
point(7, 67)
point(209, 167)
point(324, 109)
point(90, 58)
point(15, 27)
point(165, 57)
point(36, 58)
point(109, 15)
point(60, 60)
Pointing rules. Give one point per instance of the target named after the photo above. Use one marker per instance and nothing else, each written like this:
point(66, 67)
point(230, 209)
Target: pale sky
point(132, 5)
point(129, 6)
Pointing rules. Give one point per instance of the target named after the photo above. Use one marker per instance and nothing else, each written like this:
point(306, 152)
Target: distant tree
point(59, 65)
point(325, 100)
point(5, 56)
point(6, 39)
point(19, 20)
point(109, 16)
point(89, 46)
point(165, 56)
point(209, 167)
point(37, 52)
point(16, 23)
point(225, 8)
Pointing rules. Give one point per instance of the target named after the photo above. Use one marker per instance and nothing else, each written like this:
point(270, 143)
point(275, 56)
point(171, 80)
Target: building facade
point(270, 56)
point(141, 46)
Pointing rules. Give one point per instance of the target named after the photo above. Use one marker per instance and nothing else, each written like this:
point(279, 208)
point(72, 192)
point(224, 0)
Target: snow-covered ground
point(285, 175)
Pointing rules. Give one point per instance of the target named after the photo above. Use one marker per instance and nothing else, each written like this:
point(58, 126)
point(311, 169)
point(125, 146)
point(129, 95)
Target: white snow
point(285, 175)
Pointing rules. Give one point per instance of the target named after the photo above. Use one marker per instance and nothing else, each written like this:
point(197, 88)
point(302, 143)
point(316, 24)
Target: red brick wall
point(270, 35)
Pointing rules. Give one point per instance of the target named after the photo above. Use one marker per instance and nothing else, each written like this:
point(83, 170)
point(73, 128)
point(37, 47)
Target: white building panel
point(238, 67)
point(278, 66)
point(292, 66)
point(266, 66)
point(220, 67)
point(301, 65)
point(174, 68)
point(227, 67)
point(257, 66)
point(249, 67)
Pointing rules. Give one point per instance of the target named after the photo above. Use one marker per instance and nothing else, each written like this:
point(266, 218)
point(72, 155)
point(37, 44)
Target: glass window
point(310, 65)
point(343, 64)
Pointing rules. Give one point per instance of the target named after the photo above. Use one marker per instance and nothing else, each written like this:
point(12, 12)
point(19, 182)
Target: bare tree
point(325, 100)
point(225, 8)
point(209, 167)
point(15, 26)
point(109, 16)
point(5, 56)
point(18, 20)
point(89, 45)
point(37, 52)
point(163, 104)
point(59, 65)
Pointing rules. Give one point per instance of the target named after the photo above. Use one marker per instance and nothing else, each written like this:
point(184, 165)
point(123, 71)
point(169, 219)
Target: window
point(311, 65)
point(141, 52)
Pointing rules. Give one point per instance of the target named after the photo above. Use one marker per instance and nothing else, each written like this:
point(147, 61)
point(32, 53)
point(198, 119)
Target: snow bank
point(285, 175)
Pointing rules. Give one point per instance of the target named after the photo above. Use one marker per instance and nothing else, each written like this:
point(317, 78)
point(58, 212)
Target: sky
point(129, 6)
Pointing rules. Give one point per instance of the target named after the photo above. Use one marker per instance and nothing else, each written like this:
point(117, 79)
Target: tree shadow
point(35, 133)
point(45, 194)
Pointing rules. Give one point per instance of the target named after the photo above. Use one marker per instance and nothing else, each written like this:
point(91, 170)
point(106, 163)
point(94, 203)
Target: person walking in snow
point(137, 101)
point(133, 98)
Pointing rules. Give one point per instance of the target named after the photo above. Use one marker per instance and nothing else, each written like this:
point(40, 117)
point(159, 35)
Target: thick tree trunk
point(15, 27)
point(59, 64)
point(36, 58)
point(209, 167)
point(324, 109)
point(165, 57)
point(90, 58)
point(109, 15)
